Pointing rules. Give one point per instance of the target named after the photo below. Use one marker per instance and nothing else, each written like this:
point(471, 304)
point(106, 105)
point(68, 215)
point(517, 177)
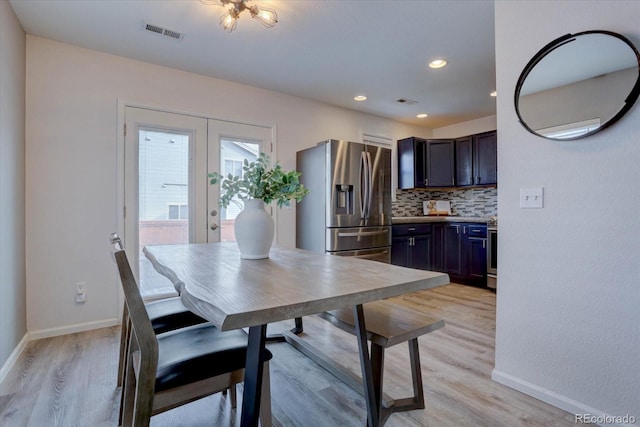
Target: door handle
point(213, 226)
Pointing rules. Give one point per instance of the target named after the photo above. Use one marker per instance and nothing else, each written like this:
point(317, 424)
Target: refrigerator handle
point(364, 190)
point(370, 179)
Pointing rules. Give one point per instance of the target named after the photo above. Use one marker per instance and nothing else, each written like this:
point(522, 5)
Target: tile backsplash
point(474, 202)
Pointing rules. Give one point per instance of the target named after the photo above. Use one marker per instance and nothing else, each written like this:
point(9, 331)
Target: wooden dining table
point(232, 293)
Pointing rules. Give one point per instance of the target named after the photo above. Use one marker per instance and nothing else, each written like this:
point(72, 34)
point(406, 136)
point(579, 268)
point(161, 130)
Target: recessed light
point(360, 98)
point(438, 63)
point(494, 94)
point(422, 115)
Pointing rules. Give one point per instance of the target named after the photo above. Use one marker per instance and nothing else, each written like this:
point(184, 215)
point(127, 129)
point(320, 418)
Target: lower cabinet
point(412, 246)
point(458, 249)
point(451, 248)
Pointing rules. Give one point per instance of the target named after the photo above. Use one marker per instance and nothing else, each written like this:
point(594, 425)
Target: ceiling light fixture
point(438, 63)
point(422, 115)
point(229, 20)
point(360, 98)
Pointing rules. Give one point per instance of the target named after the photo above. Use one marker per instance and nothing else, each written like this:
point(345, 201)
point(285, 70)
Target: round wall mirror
point(578, 85)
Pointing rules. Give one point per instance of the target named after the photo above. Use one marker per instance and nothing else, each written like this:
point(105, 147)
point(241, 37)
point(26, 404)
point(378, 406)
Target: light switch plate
point(531, 198)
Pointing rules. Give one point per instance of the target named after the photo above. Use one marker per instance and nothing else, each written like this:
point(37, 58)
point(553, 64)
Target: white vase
point(254, 230)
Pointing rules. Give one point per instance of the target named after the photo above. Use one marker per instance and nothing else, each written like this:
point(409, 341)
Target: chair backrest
point(144, 336)
point(116, 242)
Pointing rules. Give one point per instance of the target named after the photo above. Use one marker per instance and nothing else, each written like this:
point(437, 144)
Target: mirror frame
point(557, 43)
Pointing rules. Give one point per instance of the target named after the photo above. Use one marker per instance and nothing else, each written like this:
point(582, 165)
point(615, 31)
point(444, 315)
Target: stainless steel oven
point(492, 253)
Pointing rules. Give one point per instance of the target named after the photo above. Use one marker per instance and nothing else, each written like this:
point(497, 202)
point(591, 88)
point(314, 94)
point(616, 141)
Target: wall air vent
point(406, 101)
point(164, 31)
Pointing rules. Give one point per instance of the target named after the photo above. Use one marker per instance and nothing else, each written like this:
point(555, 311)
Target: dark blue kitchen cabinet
point(476, 159)
point(412, 246)
point(463, 162)
point(452, 250)
point(412, 167)
point(475, 243)
point(437, 233)
point(464, 253)
point(441, 166)
point(485, 158)
point(456, 248)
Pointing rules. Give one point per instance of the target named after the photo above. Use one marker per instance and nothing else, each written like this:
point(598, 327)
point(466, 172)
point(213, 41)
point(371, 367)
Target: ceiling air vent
point(406, 101)
point(164, 31)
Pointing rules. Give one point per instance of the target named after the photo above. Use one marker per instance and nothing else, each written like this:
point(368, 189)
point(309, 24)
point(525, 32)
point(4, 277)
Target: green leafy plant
point(258, 181)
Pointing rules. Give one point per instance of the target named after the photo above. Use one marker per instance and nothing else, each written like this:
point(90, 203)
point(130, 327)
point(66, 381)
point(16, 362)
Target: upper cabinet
point(463, 162)
point(441, 167)
point(426, 163)
point(476, 160)
point(485, 158)
point(411, 163)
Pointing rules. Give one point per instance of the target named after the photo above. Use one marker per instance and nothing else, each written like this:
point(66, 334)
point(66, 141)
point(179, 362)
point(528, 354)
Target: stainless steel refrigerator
point(348, 209)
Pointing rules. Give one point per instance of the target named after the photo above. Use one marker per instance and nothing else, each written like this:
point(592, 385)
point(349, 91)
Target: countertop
point(419, 219)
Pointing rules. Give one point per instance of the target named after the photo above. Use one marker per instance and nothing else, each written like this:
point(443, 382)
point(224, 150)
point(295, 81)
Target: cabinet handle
point(412, 229)
point(479, 179)
point(471, 180)
point(464, 230)
point(484, 243)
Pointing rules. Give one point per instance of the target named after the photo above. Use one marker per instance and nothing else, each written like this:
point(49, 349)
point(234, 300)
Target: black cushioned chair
point(177, 367)
point(165, 315)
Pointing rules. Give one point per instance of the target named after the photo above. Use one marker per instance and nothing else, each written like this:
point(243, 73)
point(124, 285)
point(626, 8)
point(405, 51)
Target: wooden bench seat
point(388, 322)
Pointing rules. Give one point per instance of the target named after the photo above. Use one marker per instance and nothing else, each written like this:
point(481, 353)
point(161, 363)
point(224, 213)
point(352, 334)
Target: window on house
point(178, 211)
point(233, 167)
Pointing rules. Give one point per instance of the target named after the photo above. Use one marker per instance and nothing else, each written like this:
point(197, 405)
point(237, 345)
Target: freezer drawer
point(355, 238)
point(378, 254)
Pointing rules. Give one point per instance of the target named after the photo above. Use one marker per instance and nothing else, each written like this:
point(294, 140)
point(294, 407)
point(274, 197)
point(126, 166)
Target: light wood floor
point(70, 380)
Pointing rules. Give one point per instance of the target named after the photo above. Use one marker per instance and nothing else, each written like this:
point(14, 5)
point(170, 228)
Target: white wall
point(568, 317)
point(72, 96)
point(471, 127)
point(13, 311)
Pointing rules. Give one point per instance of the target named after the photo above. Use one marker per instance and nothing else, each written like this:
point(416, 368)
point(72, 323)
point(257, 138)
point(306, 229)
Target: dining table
point(232, 293)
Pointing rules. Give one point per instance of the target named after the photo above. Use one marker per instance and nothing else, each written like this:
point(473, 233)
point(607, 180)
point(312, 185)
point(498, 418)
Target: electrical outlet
point(80, 287)
point(81, 292)
point(532, 198)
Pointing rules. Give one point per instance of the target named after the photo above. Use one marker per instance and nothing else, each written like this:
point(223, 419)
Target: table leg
point(280, 338)
point(368, 378)
point(254, 368)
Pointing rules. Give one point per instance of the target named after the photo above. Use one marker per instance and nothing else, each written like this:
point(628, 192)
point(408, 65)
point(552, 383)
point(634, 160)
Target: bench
point(388, 322)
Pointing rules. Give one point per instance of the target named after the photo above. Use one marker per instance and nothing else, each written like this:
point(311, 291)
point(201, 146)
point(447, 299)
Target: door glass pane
point(163, 206)
point(233, 152)
point(164, 188)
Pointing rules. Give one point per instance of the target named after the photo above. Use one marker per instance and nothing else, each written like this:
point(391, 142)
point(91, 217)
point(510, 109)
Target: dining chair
point(165, 315)
point(167, 370)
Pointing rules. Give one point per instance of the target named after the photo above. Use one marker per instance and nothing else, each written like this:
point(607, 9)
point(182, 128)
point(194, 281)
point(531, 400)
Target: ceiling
point(327, 51)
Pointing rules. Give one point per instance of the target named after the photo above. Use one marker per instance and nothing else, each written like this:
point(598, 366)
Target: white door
point(229, 145)
point(167, 197)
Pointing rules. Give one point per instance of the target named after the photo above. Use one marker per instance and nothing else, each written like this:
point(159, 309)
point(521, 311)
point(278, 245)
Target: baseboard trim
point(13, 357)
point(550, 397)
point(80, 327)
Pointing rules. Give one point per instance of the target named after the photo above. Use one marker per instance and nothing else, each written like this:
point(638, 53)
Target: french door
point(167, 196)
